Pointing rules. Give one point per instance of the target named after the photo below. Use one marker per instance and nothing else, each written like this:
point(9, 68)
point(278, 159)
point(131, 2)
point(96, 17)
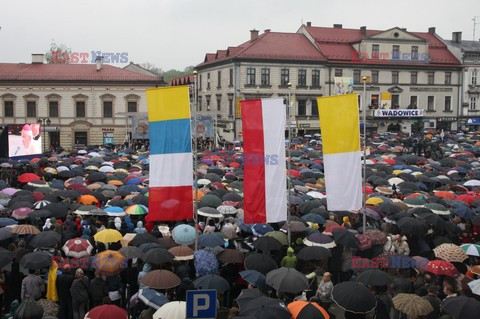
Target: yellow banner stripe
point(339, 123)
point(169, 103)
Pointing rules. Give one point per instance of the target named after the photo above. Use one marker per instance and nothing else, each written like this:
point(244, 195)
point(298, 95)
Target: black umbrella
point(157, 256)
point(141, 239)
point(29, 309)
point(462, 307)
point(261, 263)
point(131, 252)
point(375, 277)
point(248, 295)
point(97, 177)
point(265, 308)
point(306, 207)
point(36, 260)
point(140, 199)
point(314, 253)
point(287, 280)
point(45, 239)
point(212, 281)
point(388, 209)
point(345, 237)
point(354, 297)
point(6, 257)
point(41, 213)
point(412, 226)
point(267, 244)
point(5, 233)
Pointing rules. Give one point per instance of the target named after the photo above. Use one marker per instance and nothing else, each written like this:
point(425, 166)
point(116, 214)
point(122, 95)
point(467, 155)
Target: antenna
point(475, 25)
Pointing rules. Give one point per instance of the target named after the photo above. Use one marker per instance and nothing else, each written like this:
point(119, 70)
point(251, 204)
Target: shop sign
point(398, 113)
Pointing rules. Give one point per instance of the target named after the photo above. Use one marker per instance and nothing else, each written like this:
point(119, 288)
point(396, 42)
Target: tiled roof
point(70, 72)
point(182, 80)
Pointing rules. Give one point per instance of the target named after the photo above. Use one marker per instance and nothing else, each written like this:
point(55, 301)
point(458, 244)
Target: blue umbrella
point(129, 188)
point(7, 221)
point(152, 298)
point(254, 277)
point(205, 262)
point(210, 240)
point(261, 229)
point(133, 181)
point(114, 209)
point(313, 218)
point(463, 211)
point(183, 234)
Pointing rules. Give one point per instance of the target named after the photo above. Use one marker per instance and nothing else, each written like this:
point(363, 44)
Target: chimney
point(98, 62)
point(267, 30)
point(309, 24)
point(38, 58)
point(337, 26)
point(457, 37)
point(431, 30)
point(363, 31)
point(253, 34)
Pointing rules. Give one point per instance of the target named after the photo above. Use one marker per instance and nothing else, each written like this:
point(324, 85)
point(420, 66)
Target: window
point(107, 109)
point(250, 76)
point(219, 103)
point(413, 102)
point(314, 107)
point(199, 104)
point(448, 104)
point(374, 101)
point(302, 107)
point(316, 78)
point(31, 109)
point(356, 76)
point(395, 77)
point(230, 107)
point(200, 82)
point(81, 138)
point(132, 107)
point(413, 77)
point(8, 108)
point(219, 79)
point(474, 77)
point(448, 77)
point(302, 77)
point(375, 51)
point(208, 104)
point(414, 53)
point(265, 78)
point(284, 77)
point(396, 52)
point(338, 72)
point(208, 81)
point(395, 101)
point(53, 109)
point(80, 109)
point(473, 103)
point(230, 77)
point(431, 77)
point(374, 76)
point(431, 103)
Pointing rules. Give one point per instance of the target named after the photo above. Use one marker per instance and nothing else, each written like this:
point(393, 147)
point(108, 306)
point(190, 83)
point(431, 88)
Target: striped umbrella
point(25, 229)
point(412, 305)
point(471, 249)
point(136, 210)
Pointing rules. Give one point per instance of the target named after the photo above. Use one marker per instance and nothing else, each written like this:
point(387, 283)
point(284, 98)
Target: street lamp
point(289, 145)
point(45, 121)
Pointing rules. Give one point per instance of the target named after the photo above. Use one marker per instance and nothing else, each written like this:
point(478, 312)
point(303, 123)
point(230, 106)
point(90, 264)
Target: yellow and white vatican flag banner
point(340, 129)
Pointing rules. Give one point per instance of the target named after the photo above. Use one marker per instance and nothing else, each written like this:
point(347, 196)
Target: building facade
point(83, 104)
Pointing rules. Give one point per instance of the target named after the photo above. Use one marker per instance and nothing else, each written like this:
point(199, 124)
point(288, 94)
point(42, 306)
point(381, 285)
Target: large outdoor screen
point(24, 139)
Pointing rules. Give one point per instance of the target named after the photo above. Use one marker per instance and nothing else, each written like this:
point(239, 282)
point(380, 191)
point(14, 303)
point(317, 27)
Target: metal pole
point(195, 176)
point(289, 233)
point(44, 133)
point(364, 108)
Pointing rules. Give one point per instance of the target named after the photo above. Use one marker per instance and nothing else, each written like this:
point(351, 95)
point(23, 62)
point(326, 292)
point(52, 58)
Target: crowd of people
point(74, 237)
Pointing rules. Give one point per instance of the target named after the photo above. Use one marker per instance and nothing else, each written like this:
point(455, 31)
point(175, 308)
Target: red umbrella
point(107, 312)
point(441, 267)
point(294, 173)
point(77, 247)
point(234, 164)
point(28, 177)
point(466, 198)
point(390, 161)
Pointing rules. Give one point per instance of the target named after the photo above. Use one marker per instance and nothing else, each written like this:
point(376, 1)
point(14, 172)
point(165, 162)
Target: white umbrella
point(475, 286)
point(317, 195)
point(172, 310)
point(107, 169)
point(395, 180)
point(472, 183)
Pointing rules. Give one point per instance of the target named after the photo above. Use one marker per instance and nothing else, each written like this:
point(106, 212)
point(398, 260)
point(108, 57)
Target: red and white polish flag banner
point(265, 191)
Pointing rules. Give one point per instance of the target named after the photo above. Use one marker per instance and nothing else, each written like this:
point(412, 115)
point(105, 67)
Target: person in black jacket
point(79, 292)
point(98, 290)
point(63, 283)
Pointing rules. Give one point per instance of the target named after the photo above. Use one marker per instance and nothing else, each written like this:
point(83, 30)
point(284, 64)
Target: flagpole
point(364, 152)
point(195, 139)
point(289, 233)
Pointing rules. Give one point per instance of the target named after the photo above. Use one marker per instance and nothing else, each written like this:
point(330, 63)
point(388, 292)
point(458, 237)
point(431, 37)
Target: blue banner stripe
point(168, 137)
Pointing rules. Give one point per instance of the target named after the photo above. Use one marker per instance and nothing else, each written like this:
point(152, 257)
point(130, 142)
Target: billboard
point(399, 113)
point(205, 126)
point(140, 127)
point(343, 85)
point(24, 139)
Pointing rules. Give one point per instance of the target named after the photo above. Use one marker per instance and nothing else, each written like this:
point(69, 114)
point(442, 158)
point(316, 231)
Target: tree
point(58, 53)
point(167, 75)
point(152, 68)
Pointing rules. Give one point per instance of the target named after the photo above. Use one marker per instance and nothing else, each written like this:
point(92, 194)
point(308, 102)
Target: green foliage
point(167, 75)
point(62, 48)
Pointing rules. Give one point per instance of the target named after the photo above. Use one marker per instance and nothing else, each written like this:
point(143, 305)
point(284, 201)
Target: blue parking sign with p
point(202, 304)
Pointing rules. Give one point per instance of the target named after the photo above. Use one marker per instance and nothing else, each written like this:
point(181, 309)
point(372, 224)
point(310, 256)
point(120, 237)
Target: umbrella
point(4, 221)
point(248, 295)
point(152, 298)
point(210, 240)
point(375, 277)
point(87, 200)
point(109, 262)
point(181, 253)
point(131, 252)
point(261, 229)
point(25, 229)
point(320, 240)
point(36, 260)
point(475, 286)
point(184, 234)
point(212, 281)
point(6, 257)
point(108, 236)
point(30, 309)
point(172, 310)
point(307, 310)
point(6, 232)
point(462, 307)
point(267, 244)
point(136, 210)
point(232, 256)
point(21, 213)
point(77, 247)
point(471, 249)
point(412, 305)
point(157, 256)
point(295, 227)
point(144, 238)
point(412, 226)
point(28, 177)
point(354, 297)
point(441, 267)
point(260, 262)
point(280, 236)
point(450, 252)
point(160, 279)
point(205, 262)
point(254, 277)
point(265, 308)
point(45, 239)
point(314, 253)
point(345, 237)
point(107, 312)
point(287, 280)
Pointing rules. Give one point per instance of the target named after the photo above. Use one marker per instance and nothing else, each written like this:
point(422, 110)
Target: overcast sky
point(178, 33)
